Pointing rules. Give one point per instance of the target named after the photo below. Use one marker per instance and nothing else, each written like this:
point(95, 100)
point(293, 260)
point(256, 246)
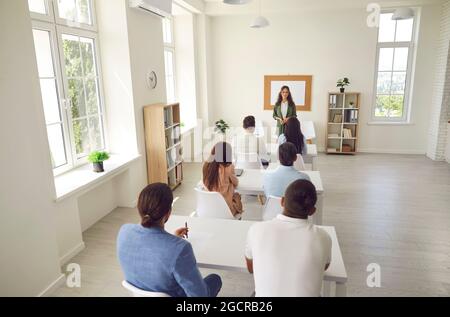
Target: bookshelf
point(343, 122)
point(163, 144)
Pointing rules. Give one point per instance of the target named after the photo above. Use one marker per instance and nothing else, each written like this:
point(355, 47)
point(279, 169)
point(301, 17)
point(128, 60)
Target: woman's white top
point(284, 108)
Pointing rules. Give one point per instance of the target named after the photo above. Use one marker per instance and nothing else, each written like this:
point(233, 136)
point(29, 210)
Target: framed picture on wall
point(299, 85)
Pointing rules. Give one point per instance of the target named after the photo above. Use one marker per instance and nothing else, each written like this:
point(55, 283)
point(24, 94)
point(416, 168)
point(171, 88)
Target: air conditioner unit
point(163, 8)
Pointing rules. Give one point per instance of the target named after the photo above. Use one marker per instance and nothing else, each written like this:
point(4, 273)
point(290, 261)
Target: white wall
point(440, 108)
point(328, 44)
point(28, 247)
point(183, 26)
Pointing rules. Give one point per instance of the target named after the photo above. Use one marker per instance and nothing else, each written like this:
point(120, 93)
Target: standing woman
point(284, 109)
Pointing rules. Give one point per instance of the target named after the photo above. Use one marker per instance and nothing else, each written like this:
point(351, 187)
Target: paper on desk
point(199, 239)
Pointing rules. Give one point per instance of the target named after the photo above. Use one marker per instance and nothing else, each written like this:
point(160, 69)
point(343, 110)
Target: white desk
point(251, 183)
point(220, 244)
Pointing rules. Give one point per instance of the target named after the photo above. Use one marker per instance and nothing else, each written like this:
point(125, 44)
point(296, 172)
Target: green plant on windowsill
point(97, 158)
point(221, 126)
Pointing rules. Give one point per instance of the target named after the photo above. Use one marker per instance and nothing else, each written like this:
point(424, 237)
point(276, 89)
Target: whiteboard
point(297, 88)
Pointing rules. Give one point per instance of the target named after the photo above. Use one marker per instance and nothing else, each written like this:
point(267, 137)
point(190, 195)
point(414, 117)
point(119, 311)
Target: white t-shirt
point(289, 257)
point(284, 109)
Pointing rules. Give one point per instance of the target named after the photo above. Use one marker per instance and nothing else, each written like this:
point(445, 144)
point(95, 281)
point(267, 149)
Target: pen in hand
point(186, 226)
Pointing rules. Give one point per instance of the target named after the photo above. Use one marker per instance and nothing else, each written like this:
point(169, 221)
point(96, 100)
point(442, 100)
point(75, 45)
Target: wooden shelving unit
point(343, 122)
point(163, 144)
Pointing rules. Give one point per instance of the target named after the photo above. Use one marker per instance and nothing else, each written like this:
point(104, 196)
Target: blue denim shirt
point(157, 261)
point(277, 181)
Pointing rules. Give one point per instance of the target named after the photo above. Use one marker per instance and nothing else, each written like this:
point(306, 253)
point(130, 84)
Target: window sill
point(79, 180)
point(389, 123)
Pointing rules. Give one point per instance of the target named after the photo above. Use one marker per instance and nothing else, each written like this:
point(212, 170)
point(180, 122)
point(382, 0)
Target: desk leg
point(341, 290)
point(317, 217)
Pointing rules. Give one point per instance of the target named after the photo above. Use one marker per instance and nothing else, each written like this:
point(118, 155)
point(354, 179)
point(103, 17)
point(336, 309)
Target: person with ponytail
point(157, 261)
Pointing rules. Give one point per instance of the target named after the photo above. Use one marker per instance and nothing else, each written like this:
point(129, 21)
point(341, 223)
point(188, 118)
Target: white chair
point(137, 292)
point(272, 208)
point(212, 205)
point(299, 164)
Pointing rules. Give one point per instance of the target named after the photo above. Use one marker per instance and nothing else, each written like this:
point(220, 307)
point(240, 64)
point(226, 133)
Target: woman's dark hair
point(221, 155)
point(154, 203)
point(300, 197)
point(291, 102)
point(249, 122)
point(293, 134)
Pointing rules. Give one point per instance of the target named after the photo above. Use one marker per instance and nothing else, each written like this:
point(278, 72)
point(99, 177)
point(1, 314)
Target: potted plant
point(97, 158)
point(341, 83)
point(221, 126)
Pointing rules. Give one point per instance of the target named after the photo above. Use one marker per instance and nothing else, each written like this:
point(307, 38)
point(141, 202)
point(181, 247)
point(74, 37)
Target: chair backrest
point(299, 164)
point(137, 292)
point(272, 208)
point(212, 205)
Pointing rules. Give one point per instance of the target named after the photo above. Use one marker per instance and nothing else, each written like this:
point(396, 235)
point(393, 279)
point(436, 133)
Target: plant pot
point(98, 167)
point(342, 90)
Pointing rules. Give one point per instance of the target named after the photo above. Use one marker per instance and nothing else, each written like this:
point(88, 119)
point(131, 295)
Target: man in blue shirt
point(275, 182)
point(157, 261)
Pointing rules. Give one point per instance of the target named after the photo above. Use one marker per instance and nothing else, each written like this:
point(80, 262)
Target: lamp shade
point(236, 1)
point(403, 14)
point(259, 22)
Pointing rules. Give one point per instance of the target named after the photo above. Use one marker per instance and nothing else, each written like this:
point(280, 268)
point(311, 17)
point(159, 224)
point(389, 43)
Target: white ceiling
point(216, 7)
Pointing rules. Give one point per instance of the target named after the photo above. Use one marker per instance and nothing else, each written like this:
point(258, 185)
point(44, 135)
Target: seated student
point(219, 176)
point(287, 255)
point(249, 148)
point(275, 182)
point(157, 261)
point(293, 133)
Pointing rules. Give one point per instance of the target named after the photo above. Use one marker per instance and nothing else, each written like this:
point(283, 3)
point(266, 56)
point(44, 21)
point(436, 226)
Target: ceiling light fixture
point(260, 21)
point(236, 1)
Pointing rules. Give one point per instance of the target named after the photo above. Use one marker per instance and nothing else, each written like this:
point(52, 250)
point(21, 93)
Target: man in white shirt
point(250, 151)
point(287, 255)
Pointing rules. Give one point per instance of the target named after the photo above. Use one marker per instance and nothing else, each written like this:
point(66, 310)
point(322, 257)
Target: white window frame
point(52, 24)
point(72, 24)
point(170, 47)
point(49, 17)
point(51, 28)
point(411, 45)
point(94, 36)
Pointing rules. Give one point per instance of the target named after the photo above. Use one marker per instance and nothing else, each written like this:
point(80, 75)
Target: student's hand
point(285, 120)
point(182, 232)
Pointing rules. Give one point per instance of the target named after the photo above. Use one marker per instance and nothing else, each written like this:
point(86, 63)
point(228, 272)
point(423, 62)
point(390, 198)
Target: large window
point(169, 59)
point(395, 50)
point(67, 58)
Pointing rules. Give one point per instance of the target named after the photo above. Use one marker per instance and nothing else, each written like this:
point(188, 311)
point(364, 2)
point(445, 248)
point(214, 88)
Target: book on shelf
point(171, 156)
point(337, 118)
point(167, 119)
point(347, 133)
point(179, 173)
point(176, 134)
point(332, 101)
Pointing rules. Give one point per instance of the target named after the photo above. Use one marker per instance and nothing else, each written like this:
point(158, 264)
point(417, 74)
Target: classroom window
point(70, 78)
point(169, 59)
point(395, 49)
